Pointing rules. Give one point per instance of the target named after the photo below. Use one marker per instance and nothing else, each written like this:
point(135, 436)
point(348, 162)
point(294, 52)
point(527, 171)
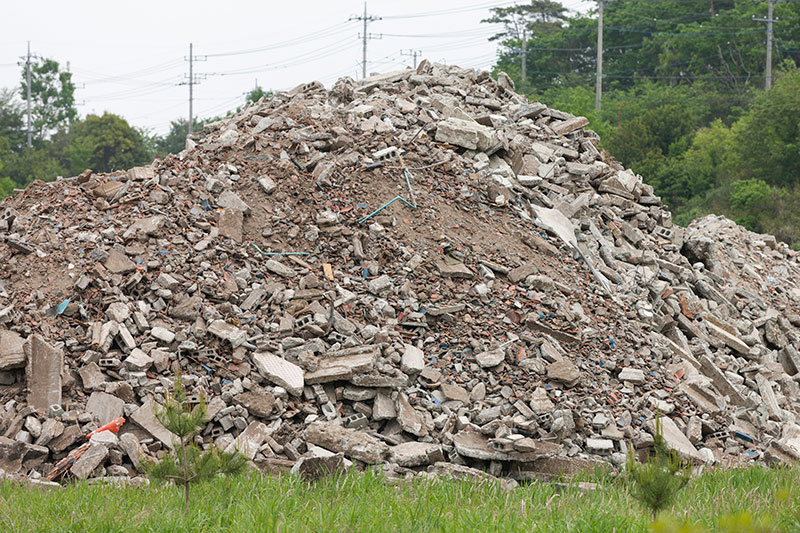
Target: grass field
point(743, 500)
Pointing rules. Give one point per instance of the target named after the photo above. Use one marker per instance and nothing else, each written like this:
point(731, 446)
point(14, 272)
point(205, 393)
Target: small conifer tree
point(655, 483)
point(189, 463)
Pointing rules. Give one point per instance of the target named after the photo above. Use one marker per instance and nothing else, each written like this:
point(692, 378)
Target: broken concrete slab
point(104, 407)
point(250, 440)
point(475, 445)
point(564, 371)
point(12, 353)
point(411, 454)
point(257, 403)
point(413, 360)
point(675, 439)
point(43, 372)
point(352, 443)
point(145, 418)
point(118, 263)
point(92, 458)
point(568, 126)
point(280, 372)
point(228, 332)
point(408, 417)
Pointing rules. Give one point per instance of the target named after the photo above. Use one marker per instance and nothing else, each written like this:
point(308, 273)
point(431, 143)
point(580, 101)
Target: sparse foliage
point(655, 484)
point(189, 463)
point(52, 95)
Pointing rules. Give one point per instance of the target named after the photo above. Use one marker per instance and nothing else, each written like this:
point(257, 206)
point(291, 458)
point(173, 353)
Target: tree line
point(684, 103)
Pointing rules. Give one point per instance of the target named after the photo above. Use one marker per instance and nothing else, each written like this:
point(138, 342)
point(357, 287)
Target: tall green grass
point(721, 500)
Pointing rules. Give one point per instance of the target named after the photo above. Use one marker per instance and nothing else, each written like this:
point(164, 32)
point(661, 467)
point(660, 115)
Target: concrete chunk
point(145, 417)
point(676, 440)
point(413, 360)
point(352, 443)
point(104, 407)
point(410, 454)
point(118, 263)
point(280, 372)
point(632, 375)
point(43, 372)
point(12, 353)
point(93, 457)
point(466, 134)
point(570, 125)
point(228, 332)
point(250, 440)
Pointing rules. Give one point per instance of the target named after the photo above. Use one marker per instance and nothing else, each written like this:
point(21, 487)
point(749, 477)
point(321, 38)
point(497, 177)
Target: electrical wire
point(326, 51)
point(451, 11)
point(309, 37)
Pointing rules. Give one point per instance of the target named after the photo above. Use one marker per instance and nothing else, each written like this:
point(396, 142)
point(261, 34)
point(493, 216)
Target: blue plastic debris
point(744, 436)
point(205, 205)
point(62, 306)
point(612, 343)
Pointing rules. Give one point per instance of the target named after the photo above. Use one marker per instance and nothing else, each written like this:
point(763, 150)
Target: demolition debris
point(421, 271)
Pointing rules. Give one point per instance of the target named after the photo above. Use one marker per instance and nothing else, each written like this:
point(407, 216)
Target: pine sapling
point(656, 483)
point(189, 463)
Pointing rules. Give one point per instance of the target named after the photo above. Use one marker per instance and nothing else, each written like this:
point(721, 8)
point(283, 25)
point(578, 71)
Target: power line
point(308, 57)
point(316, 35)
point(452, 11)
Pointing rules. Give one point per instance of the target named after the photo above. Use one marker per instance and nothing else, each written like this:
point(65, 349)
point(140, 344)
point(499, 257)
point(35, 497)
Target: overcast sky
point(129, 57)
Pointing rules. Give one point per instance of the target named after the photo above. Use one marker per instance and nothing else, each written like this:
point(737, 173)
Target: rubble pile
point(422, 271)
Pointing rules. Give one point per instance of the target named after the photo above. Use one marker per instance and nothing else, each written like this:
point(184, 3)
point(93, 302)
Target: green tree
point(655, 484)
point(768, 136)
point(189, 463)
point(52, 97)
point(536, 16)
point(104, 144)
point(175, 140)
point(12, 122)
point(254, 95)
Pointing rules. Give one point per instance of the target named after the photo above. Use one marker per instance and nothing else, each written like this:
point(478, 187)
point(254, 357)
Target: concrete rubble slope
point(421, 270)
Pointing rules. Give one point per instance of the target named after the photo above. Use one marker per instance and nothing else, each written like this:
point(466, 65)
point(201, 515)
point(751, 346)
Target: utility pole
point(28, 97)
point(412, 53)
point(769, 20)
point(191, 87)
point(598, 93)
point(524, 58)
point(364, 36)
point(191, 81)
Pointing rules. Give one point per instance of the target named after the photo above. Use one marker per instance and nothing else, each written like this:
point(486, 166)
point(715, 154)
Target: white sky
point(128, 57)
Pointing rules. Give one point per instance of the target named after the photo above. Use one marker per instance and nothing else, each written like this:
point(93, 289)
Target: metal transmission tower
point(412, 53)
point(192, 80)
point(769, 20)
point(366, 19)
